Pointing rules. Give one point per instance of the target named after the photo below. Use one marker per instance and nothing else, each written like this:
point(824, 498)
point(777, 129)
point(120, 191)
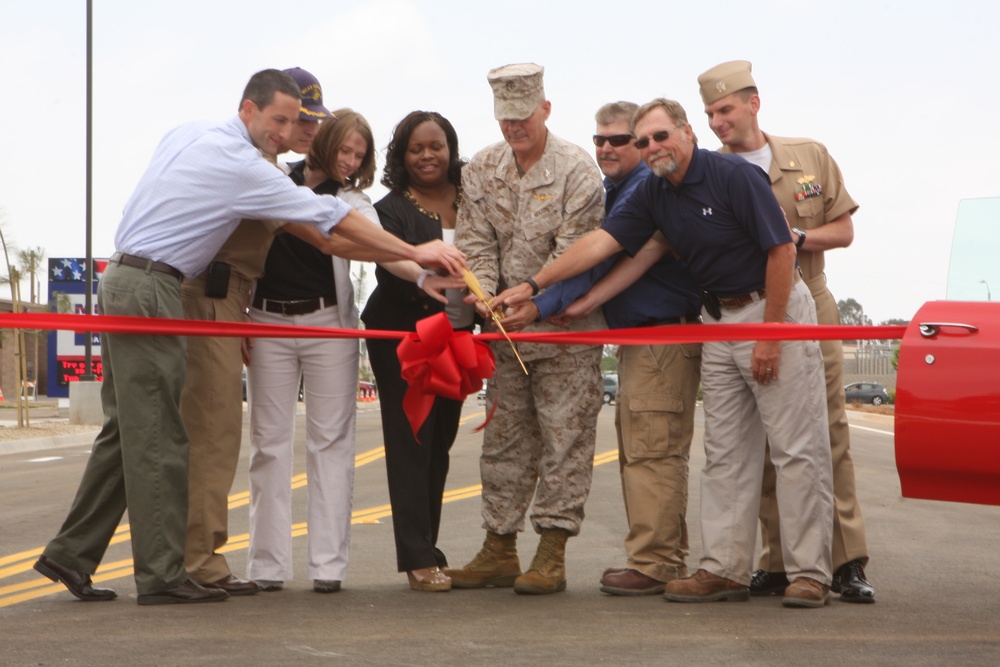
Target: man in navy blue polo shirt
point(720, 216)
point(654, 408)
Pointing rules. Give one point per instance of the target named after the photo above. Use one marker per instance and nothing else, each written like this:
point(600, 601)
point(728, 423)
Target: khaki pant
point(741, 417)
point(212, 408)
point(654, 417)
point(541, 440)
point(139, 459)
point(849, 542)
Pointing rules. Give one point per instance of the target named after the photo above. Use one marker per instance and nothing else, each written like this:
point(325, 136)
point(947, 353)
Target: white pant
point(329, 368)
point(740, 417)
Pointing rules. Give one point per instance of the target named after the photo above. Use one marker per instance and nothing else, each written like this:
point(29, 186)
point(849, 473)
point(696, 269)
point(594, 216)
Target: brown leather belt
point(297, 307)
point(148, 264)
point(734, 302)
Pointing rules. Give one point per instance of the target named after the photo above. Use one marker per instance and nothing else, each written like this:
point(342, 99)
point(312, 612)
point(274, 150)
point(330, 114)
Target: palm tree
point(29, 262)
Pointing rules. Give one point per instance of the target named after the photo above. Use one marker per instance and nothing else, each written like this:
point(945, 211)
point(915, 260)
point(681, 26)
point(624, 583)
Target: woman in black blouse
point(423, 172)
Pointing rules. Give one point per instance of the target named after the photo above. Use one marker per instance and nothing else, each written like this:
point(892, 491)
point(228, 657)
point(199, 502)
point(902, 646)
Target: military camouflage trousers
point(541, 440)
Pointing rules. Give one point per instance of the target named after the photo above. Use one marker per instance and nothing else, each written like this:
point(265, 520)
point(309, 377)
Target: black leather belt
point(297, 307)
point(148, 264)
point(684, 319)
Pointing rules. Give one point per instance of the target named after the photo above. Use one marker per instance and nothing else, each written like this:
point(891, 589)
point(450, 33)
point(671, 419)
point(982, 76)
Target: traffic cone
point(1, 394)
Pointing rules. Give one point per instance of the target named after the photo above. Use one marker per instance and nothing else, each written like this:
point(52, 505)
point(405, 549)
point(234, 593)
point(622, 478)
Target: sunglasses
point(658, 137)
point(616, 140)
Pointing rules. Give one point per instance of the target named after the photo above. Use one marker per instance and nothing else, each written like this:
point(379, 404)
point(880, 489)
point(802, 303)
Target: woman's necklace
point(431, 214)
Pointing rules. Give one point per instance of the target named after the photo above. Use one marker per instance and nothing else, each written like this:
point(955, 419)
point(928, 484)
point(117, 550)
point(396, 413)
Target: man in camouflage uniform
point(525, 200)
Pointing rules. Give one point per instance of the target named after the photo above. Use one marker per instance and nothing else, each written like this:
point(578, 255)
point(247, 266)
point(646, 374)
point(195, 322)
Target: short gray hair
point(615, 111)
point(673, 109)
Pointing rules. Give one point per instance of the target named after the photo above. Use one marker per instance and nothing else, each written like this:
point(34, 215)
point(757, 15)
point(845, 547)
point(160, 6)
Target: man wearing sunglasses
point(719, 214)
point(810, 188)
point(654, 407)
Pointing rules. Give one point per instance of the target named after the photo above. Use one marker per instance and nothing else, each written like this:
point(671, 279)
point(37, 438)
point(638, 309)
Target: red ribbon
point(438, 361)
point(683, 333)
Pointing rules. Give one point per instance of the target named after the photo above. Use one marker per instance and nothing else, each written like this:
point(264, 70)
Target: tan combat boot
point(548, 570)
point(496, 564)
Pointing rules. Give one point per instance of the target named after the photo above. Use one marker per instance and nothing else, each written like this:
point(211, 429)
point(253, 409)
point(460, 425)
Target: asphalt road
point(934, 566)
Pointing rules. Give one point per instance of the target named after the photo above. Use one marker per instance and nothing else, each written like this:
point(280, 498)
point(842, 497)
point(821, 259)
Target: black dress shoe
point(326, 586)
point(78, 583)
point(768, 583)
point(235, 586)
point(188, 592)
point(849, 580)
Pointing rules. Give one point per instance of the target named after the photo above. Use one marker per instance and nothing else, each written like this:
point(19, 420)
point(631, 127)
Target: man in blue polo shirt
point(720, 215)
point(654, 410)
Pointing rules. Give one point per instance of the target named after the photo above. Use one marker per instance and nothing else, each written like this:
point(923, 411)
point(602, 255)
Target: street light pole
point(988, 295)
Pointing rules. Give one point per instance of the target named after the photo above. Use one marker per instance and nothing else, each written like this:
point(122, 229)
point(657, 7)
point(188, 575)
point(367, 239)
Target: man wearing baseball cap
point(525, 199)
point(810, 188)
point(311, 112)
point(211, 401)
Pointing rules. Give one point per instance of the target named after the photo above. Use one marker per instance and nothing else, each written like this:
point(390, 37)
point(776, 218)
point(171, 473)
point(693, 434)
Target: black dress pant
point(416, 470)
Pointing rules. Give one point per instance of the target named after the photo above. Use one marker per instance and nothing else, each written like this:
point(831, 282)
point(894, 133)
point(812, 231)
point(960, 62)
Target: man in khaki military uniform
point(525, 200)
point(211, 401)
point(810, 189)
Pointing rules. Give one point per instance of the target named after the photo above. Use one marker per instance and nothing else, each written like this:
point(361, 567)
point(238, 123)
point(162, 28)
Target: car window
point(974, 271)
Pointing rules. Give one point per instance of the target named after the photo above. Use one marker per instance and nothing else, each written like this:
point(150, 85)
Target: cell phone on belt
point(217, 280)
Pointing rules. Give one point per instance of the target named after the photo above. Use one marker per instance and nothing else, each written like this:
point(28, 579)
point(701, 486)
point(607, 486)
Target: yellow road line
point(40, 587)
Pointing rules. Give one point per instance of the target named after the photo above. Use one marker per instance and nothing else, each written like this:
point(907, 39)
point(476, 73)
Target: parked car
point(866, 392)
point(482, 392)
point(610, 387)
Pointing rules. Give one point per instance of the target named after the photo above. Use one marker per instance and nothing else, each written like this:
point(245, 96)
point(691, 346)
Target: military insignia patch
point(807, 188)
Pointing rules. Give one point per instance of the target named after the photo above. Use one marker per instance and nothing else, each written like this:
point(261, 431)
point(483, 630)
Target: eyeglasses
point(658, 137)
point(616, 140)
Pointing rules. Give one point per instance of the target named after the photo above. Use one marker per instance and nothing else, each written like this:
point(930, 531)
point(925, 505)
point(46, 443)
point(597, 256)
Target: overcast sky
point(903, 94)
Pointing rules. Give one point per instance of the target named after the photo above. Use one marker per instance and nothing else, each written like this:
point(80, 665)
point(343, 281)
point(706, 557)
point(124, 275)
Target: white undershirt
point(761, 157)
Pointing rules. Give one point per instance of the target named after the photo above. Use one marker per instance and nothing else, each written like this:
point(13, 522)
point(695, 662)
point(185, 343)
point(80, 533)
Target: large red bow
point(438, 361)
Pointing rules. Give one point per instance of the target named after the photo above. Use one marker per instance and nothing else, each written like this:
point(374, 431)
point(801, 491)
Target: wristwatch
point(802, 236)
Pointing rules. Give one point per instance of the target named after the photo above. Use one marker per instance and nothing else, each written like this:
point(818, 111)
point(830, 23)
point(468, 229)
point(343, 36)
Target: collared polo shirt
point(722, 219)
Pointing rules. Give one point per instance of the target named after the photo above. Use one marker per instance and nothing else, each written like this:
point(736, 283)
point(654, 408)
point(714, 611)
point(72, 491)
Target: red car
point(948, 403)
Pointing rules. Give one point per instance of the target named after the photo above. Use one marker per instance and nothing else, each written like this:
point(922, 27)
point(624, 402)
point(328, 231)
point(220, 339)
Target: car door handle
point(931, 329)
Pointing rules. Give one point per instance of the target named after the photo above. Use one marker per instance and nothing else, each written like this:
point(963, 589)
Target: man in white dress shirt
point(173, 225)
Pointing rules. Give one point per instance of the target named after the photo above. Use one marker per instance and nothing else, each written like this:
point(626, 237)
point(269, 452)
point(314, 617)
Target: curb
point(48, 442)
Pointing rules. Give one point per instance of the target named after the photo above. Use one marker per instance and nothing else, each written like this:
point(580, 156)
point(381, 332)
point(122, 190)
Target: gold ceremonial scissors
point(477, 289)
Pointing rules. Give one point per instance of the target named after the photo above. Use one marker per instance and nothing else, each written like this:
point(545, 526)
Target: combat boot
point(548, 570)
point(496, 564)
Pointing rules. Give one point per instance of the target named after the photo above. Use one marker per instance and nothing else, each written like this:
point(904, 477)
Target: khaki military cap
point(517, 90)
point(725, 79)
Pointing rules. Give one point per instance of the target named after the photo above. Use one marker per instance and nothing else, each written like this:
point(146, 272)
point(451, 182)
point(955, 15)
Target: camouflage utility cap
point(517, 90)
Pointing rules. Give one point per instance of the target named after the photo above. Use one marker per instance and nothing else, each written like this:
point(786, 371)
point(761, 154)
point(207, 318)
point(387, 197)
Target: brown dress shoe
point(806, 592)
point(704, 586)
point(629, 582)
point(78, 583)
point(188, 592)
point(235, 586)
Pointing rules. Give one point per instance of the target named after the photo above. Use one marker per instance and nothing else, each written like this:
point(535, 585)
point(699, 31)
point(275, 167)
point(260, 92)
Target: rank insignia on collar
point(807, 188)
